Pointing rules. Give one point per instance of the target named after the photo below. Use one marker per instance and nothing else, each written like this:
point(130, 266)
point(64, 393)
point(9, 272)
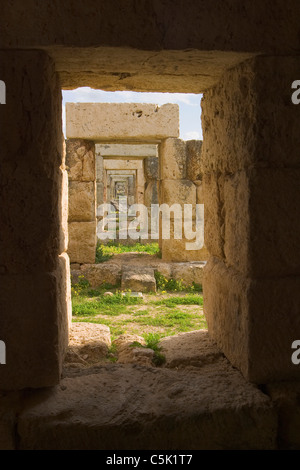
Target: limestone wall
point(81, 166)
point(180, 183)
point(121, 121)
point(34, 268)
point(252, 279)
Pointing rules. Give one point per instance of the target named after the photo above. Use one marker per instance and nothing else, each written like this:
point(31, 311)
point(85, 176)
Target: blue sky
point(189, 105)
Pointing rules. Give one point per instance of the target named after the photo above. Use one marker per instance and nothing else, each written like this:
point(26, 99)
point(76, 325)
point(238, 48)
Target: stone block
point(274, 324)
point(31, 329)
point(127, 150)
point(159, 408)
point(242, 101)
point(114, 164)
point(172, 159)
point(80, 160)
point(151, 193)
point(99, 194)
point(194, 348)
point(214, 233)
point(82, 201)
point(151, 168)
point(176, 250)
point(103, 273)
point(9, 408)
point(189, 272)
point(64, 211)
point(119, 121)
point(99, 168)
point(247, 319)
point(178, 192)
point(193, 160)
point(236, 215)
point(275, 223)
point(64, 303)
point(30, 160)
point(199, 192)
point(88, 346)
point(226, 309)
point(82, 242)
point(286, 398)
point(138, 279)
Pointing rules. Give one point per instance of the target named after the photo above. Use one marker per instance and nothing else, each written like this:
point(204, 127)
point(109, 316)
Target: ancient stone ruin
point(242, 389)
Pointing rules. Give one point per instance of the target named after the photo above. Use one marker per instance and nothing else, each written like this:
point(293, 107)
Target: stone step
point(126, 406)
point(138, 279)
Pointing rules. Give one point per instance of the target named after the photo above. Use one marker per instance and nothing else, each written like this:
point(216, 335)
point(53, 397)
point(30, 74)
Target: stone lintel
point(122, 121)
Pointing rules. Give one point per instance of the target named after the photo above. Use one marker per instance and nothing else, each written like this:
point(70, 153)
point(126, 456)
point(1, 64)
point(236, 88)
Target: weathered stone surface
point(245, 317)
point(136, 407)
point(88, 345)
point(99, 194)
point(98, 274)
point(175, 250)
point(199, 192)
point(173, 159)
point(286, 398)
point(151, 168)
point(151, 194)
point(194, 348)
point(99, 167)
point(64, 303)
point(235, 218)
point(275, 225)
point(119, 121)
point(138, 279)
point(127, 150)
point(64, 210)
point(31, 328)
point(80, 160)
point(31, 164)
point(30, 160)
point(189, 272)
point(214, 232)
point(114, 164)
point(129, 353)
point(226, 309)
point(178, 192)
point(82, 242)
point(193, 160)
point(82, 201)
point(9, 408)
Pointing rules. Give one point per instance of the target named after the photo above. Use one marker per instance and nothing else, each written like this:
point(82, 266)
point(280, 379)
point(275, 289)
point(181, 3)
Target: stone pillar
point(99, 180)
point(251, 179)
point(34, 268)
point(178, 185)
point(82, 200)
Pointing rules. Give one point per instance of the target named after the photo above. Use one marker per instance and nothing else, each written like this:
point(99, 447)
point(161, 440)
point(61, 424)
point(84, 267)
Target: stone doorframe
point(180, 179)
point(250, 162)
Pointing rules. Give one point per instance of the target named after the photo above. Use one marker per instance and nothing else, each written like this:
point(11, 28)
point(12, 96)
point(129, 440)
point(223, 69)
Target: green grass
point(114, 305)
point(188, 299)
point(174, 285)
point(105, 252)
point(125, 314)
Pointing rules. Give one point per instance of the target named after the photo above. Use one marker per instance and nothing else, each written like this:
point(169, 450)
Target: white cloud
point(85, 94)
point(189, 104)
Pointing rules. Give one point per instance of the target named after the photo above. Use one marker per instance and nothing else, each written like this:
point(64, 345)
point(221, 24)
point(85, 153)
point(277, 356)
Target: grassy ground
point(161, 314)
point(105, 252)
point(175, 308)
